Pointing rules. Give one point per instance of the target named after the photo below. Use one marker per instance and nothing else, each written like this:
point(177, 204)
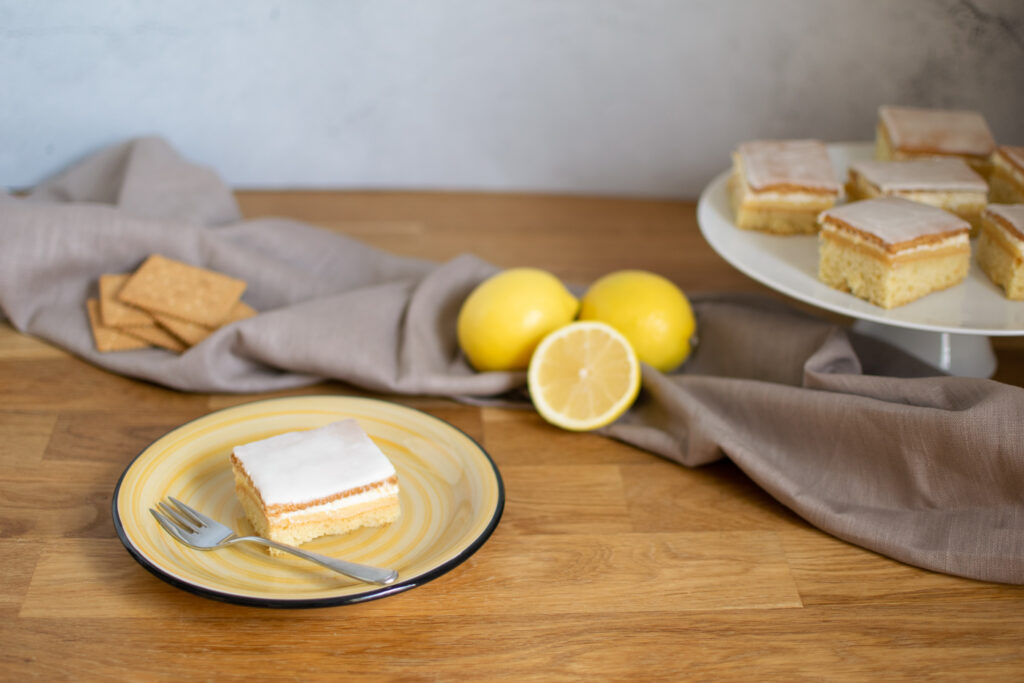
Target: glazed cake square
point(1006, 181)
point(947, 183)
point(301, 485)
point(909, 132)
point(1001, 247)
point(891, 251)
point(780, 186)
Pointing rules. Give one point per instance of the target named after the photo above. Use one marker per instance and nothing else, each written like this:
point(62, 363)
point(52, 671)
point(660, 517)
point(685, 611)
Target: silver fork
point(197, 531)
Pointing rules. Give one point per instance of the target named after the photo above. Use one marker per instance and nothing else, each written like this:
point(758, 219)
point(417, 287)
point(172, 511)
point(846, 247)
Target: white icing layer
point(801, 163)
point(299, 467)
point(938, 175)
point(895, 220)
point(940, 130)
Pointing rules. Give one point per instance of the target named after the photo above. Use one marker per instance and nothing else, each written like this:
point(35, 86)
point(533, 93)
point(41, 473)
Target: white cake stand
point(948, 329)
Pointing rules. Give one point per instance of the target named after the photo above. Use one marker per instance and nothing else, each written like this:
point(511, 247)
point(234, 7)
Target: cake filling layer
point(896, 223)
point(973, 201)
point(348, 505)
point(857, 240)
point(1008, 231)
point(935, 175)
point(1010, 160)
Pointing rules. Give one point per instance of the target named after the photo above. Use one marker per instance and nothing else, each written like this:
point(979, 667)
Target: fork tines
point(178, 518)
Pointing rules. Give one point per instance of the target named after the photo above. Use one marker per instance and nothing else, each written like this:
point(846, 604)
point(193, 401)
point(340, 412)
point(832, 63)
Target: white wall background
point(641, 97)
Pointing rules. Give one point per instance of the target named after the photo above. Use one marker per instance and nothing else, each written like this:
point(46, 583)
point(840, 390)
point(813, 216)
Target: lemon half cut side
point(583, 376)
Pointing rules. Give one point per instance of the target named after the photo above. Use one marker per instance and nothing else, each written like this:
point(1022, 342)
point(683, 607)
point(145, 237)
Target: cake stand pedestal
point(965, 355)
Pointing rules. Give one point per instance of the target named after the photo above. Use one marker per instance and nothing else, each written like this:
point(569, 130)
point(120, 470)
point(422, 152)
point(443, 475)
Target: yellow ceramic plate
point(451, 495)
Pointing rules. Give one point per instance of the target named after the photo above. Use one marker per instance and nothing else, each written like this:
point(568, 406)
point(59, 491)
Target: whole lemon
point(506, 316)
point(649, 310)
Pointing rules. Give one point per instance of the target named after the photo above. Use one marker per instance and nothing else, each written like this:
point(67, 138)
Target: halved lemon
point(583, 376)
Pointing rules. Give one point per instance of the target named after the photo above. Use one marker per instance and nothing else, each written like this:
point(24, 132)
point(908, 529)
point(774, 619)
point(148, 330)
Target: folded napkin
point(858, 438)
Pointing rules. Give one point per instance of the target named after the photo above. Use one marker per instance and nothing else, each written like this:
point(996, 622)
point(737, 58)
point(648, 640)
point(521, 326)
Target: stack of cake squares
point(938, 179)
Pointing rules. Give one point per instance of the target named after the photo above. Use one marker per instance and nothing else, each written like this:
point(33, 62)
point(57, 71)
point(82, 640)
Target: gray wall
point(587, 96)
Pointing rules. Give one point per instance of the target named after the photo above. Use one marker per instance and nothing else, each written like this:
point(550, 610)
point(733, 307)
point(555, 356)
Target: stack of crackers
point(164, 303)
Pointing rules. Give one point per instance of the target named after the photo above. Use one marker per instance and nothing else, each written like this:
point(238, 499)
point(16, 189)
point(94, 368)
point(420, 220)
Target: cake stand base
point(964, 355)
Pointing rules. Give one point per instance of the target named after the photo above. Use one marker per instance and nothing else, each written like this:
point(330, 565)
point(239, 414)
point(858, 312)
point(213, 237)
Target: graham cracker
point(193, 333)
point(115, 313)
point(109, 338)
point(198, 295)
point(239, 311)
point(157, 336)
point(188, 332)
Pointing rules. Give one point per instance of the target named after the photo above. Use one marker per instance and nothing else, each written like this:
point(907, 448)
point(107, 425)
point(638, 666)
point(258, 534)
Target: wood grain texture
point(609, 562)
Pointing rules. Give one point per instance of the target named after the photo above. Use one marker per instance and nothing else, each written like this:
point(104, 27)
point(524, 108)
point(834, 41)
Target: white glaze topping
point(937, 130)
point(801, 163)
point(299, 467)
point(896, 220)
point(941, 175)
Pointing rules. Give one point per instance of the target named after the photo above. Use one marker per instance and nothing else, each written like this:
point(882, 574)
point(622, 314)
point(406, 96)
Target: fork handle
point(362, 572)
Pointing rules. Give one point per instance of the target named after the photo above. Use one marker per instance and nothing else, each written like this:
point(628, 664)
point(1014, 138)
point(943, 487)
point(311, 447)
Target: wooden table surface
point(609, 562)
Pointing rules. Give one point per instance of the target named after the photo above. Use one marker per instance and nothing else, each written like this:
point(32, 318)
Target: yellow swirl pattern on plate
point(450, 492)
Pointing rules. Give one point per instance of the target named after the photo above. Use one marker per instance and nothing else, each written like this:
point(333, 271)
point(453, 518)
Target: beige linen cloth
point(856, 437)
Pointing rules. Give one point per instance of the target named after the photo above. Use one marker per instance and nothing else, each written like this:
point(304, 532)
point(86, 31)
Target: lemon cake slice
point(1006, 180)
point(908, 132)
point(891, 251)
point(780, 186)
point(297, 486)
point(1001, 247)
point(946, 183)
